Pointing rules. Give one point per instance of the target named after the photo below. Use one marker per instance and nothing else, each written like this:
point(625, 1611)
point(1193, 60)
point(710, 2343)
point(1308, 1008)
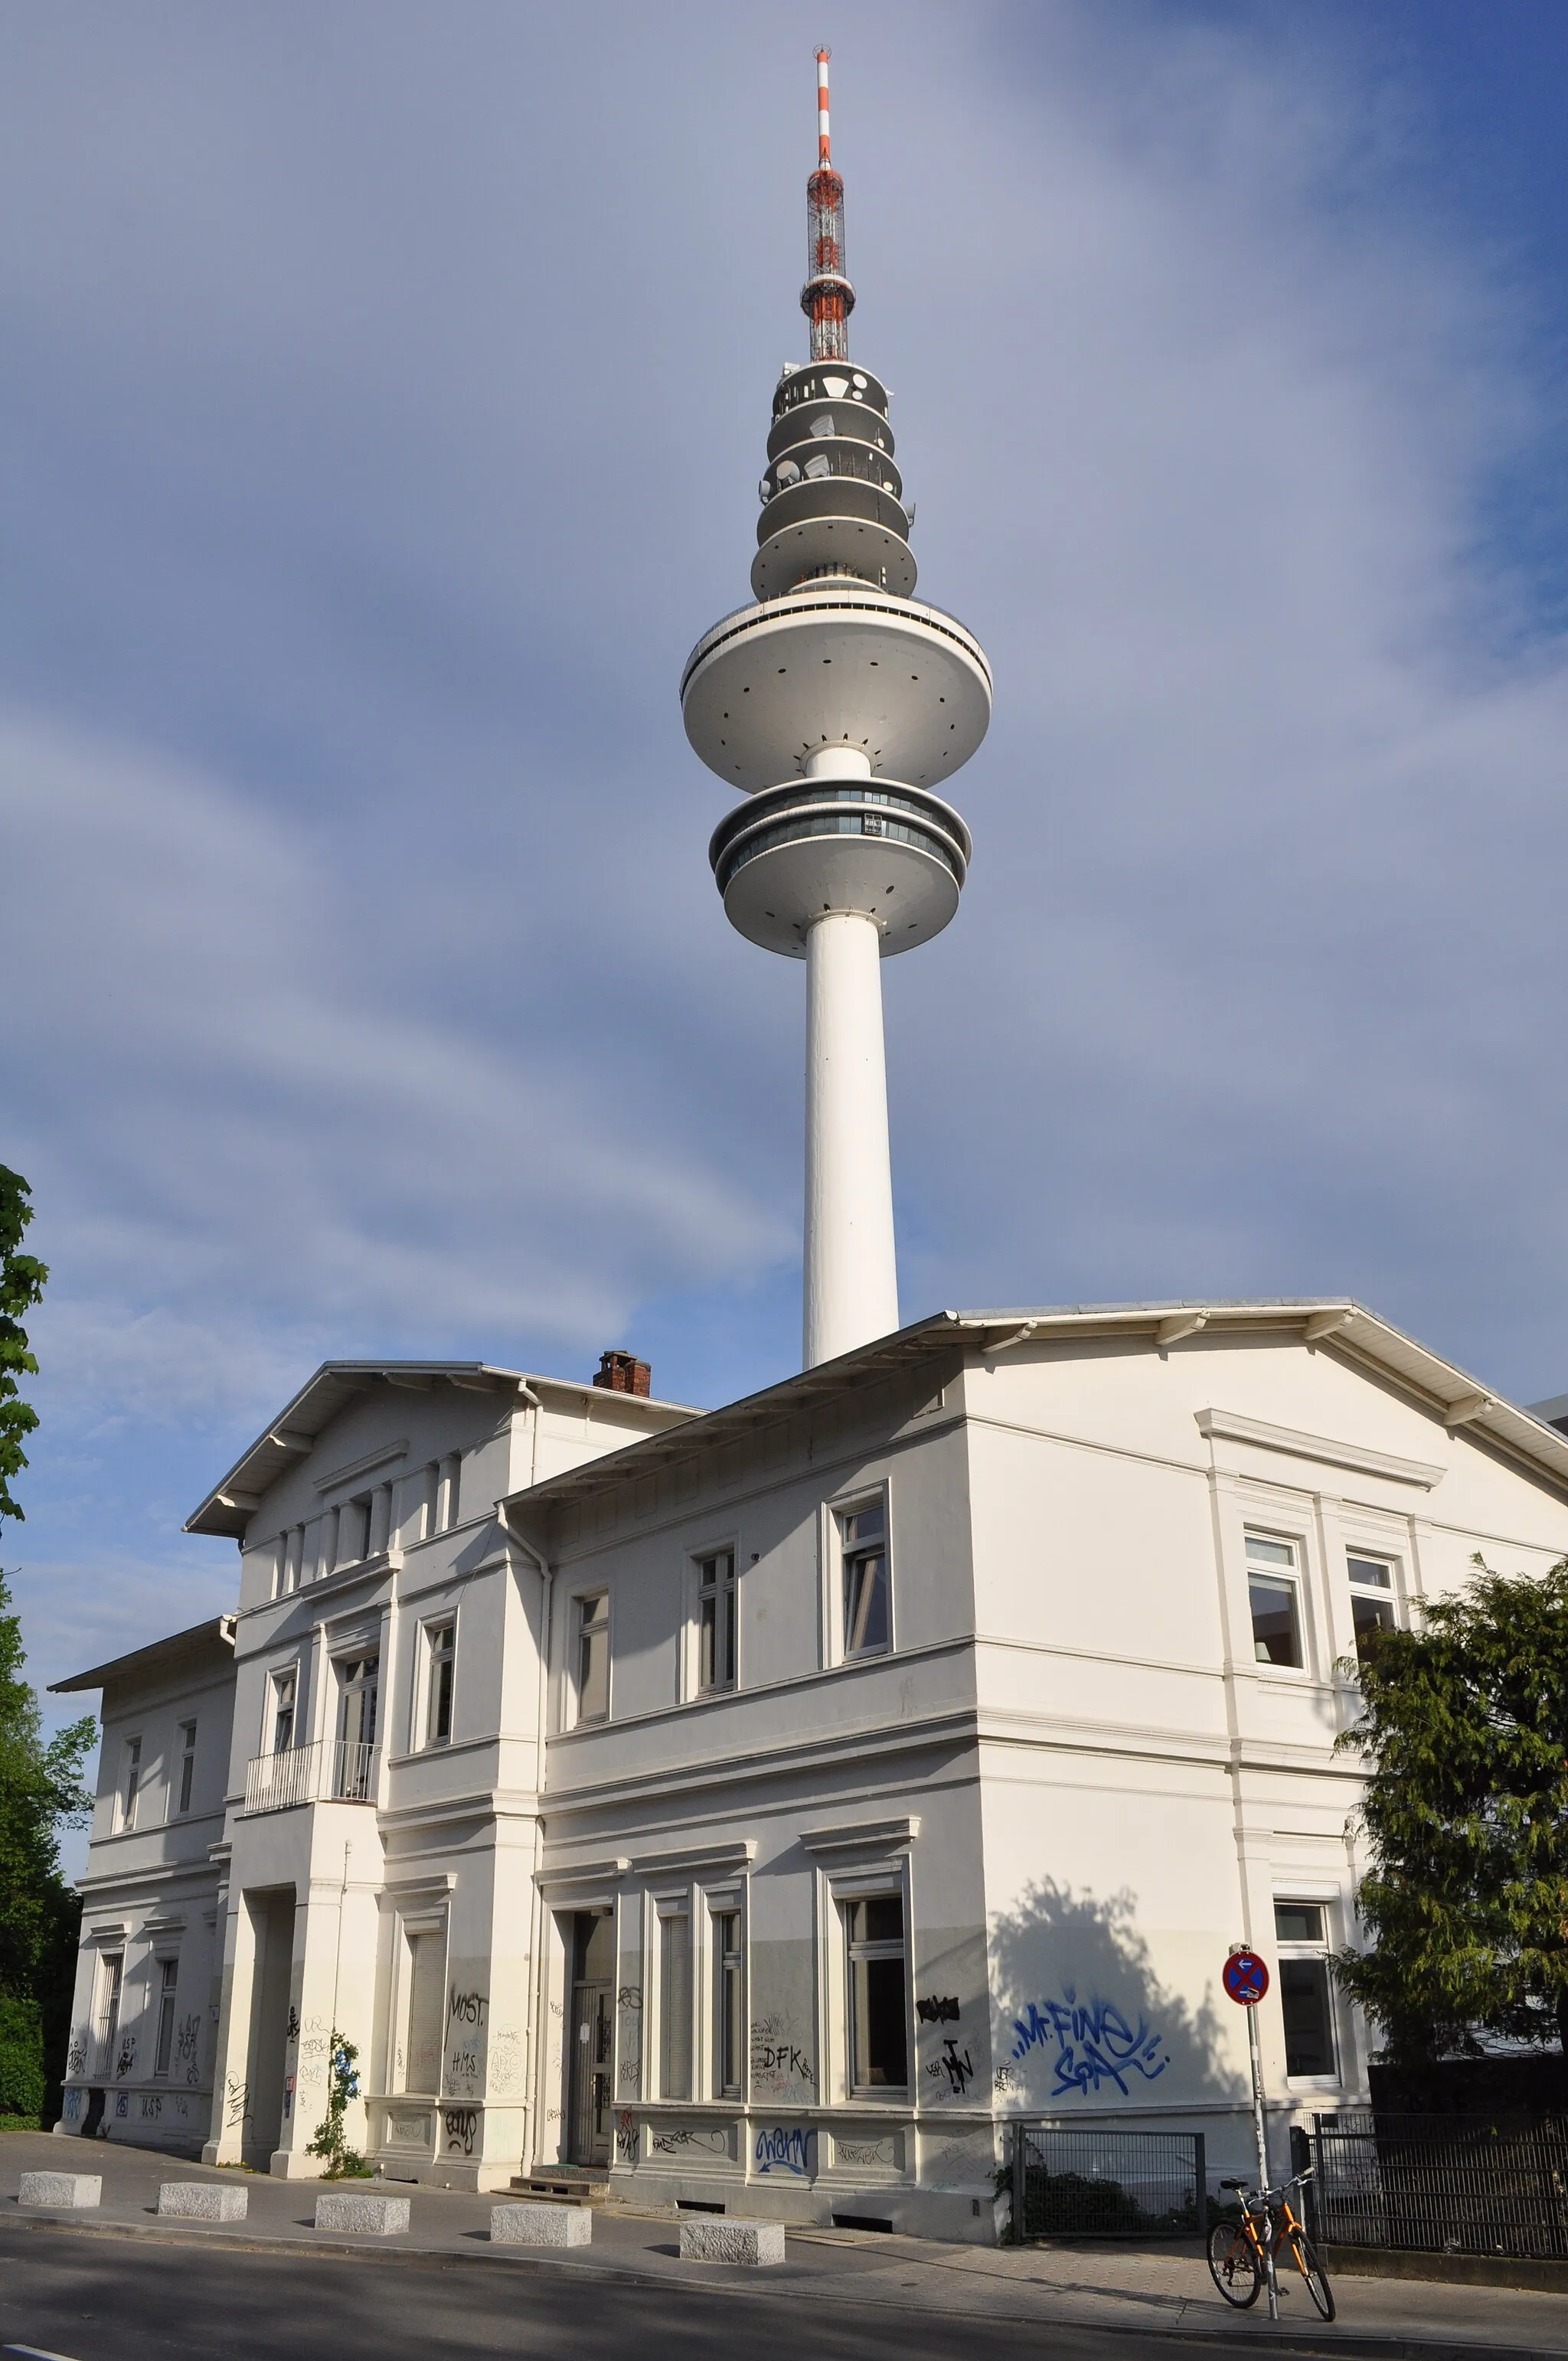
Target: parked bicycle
point(1239, 2251)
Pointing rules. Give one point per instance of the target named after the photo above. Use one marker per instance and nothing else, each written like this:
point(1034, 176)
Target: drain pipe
point(546, 1572)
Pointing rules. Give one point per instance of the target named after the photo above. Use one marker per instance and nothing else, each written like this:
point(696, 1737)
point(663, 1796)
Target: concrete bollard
point(204, 2201)
point(729, 2240)
point(380, 2217)
point(541, 2225)
point(73, 2190)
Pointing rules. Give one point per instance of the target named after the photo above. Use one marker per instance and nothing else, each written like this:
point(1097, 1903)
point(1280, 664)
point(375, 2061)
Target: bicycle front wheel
point(1234, 2263)
point(1304, 2255)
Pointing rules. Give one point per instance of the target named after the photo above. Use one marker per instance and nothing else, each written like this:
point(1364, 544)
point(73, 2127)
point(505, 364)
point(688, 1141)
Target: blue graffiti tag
point(784, 2149)
point(1095, 2044)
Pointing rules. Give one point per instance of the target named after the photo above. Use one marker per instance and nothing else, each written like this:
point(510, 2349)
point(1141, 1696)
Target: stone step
point(569, 2185)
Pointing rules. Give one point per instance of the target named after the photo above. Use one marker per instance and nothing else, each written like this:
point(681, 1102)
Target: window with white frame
point(1274, 1596)
point(358, 1706)
point(729, 2003)
point(1305, 1996)
point(168, 1977)
point(425, 2018)
point(1372, 1599)
point(285, 1687)
point(111, 1972)
point(187, 1771)
point(441, 1646)
point(868, 1598)
point(130, 1782)
point(674, 2003)
point(593, 1656)
point(877, 2003)
point(716, 1621)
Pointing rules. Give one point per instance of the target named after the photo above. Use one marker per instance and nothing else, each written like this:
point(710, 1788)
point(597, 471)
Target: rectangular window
point(879, 2058)
point(1371, 1600)
point(728, 2004)
point(283, 1688)
point(359, 1688)
point(130, 1782)
point(593, 1657)
point(354, 1532)
point(716, 1631)
point(868, 1619)
point(169, 1974)
point(441, 1640)
point(675, 2006)
point(1274, 1594)
point(110, 1975)
point(1305, 2001)
point(427, 2018)
point(187, 1764)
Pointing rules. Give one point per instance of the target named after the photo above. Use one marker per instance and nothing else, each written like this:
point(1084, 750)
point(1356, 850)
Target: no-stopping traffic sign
point(1247, 1977)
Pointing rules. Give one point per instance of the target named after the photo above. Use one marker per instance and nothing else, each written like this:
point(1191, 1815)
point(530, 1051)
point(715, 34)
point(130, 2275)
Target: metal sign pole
point(1261, 2127)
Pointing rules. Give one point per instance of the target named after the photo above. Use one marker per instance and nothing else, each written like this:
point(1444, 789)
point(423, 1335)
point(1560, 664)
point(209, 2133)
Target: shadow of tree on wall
point(1083, 2018)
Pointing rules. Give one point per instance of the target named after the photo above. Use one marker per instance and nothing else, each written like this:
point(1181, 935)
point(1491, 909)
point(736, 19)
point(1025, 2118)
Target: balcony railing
point(342, 1770)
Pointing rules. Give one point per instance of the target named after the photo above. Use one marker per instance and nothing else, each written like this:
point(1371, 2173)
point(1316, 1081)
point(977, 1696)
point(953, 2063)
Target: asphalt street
point(90, 2299)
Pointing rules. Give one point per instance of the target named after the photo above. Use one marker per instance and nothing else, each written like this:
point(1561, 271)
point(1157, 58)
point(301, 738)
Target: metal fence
point(1093, 2184)
point(1440, 2184)
point(343, 1768)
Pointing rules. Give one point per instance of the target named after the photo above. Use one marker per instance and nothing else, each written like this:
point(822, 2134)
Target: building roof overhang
point(230, 1505)
point(1338, 1322)
point(182, 1652)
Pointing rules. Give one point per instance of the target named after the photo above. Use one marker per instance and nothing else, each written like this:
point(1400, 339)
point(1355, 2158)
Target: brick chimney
point(623, 1373)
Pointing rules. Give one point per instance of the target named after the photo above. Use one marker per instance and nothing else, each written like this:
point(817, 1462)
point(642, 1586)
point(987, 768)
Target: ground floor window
point(1305, 1999)
point(168, 1975)
point(879, 2034)
point(109, 1976)
point(426, 2013)
point(728, 2004)
point(675, 2004)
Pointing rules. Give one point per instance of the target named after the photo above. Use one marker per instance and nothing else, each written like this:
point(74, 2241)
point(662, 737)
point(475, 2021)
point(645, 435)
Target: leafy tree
point(40, 1789)
point(22, 1278)
point(1464, 1726)
point(331, 2142)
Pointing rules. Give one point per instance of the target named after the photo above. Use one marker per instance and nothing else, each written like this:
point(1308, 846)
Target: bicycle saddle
point(1233, 2184)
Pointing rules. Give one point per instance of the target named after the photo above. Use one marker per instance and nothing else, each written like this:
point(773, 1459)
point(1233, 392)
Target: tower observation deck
point(839, 707)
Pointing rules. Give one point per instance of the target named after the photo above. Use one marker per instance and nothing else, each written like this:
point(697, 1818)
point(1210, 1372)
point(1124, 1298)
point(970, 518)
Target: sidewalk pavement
point(1153, 2291)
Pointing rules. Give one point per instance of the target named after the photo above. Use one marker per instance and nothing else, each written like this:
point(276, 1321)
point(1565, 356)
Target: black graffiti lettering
point(467, 2007)
point(461, 2125)
point(936, 2011)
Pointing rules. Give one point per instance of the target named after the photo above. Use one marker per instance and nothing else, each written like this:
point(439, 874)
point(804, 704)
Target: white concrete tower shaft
point(838, 706)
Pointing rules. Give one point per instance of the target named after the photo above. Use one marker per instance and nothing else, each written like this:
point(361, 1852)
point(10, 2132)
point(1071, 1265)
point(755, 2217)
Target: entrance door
point(592, 2036)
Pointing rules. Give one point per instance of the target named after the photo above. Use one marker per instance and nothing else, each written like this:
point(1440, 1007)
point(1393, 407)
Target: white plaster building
point(758, 1807)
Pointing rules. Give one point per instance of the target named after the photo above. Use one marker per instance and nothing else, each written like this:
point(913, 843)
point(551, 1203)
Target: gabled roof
point(229, 1507)
point(182, 1652)
point(1338, 1322)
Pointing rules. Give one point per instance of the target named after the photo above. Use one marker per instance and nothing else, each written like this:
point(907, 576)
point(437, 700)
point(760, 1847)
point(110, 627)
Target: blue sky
point(383, 396)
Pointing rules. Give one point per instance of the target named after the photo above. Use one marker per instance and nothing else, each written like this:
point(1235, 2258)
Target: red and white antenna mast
point(827, 298)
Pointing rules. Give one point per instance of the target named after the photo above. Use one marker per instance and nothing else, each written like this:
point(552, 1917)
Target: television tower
point(843, 851)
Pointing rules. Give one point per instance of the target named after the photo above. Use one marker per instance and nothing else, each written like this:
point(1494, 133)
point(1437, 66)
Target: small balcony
point(335, 1770)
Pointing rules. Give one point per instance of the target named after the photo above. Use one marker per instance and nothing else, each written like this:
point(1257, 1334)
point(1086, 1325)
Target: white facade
point(821, 1780)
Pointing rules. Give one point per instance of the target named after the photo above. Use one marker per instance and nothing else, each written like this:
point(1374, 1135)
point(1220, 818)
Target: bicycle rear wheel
point(1234, 2265)
point(1304, 2255)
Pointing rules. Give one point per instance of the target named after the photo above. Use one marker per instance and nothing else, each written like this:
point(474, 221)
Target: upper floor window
point(359, 1687)
point(187, 1765)
point(715, 1629)
point(868, 1602)
point(1371, 1600)
point(441, 1640)
point(283, 1688)
point(130, 1782)
point(879, 2027)
point(1274, 1594)
point(1305, 2000)
point(593, 1657)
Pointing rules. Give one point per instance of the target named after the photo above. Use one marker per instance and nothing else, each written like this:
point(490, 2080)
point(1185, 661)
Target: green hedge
point(21, 2059)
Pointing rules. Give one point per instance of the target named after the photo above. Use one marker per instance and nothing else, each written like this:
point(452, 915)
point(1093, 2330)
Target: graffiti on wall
point(506, 2060)
point(936, 2011)
point(76, 2056)
point(784, 2147)
point(461, 2125)
point(954, 2066)
point(687, 2143)
point(780, 2061)
point(1089, 2044)
point(628, 2036)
